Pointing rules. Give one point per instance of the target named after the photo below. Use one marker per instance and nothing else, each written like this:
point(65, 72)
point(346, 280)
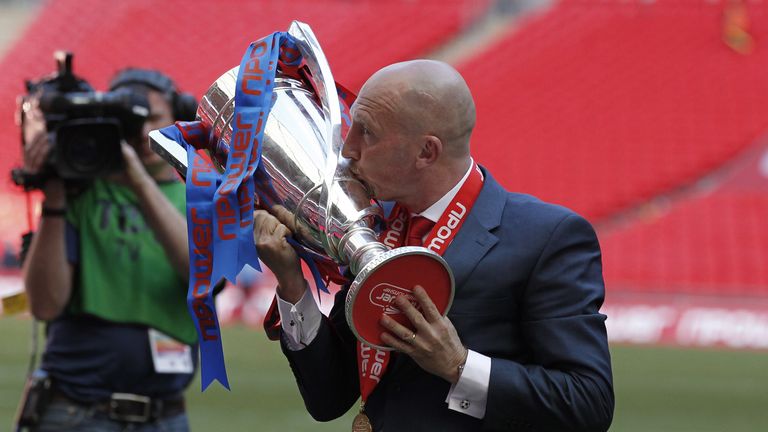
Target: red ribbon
point(372, 362)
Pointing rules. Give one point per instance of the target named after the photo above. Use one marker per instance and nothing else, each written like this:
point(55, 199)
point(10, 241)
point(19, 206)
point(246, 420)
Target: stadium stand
point(602, 105)
point(648, 117)
point(712, 243)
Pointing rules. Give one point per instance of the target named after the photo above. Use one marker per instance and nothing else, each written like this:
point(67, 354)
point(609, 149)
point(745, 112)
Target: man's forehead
point(376, 101)
point(360, 114)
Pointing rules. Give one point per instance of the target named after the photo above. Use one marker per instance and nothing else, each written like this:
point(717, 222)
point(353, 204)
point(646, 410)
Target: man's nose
point(350, 150)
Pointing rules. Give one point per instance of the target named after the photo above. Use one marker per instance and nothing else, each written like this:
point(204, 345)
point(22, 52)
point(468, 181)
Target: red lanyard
point(373, 362)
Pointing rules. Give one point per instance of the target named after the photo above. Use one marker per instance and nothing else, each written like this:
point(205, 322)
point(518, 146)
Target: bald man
point(524, 346)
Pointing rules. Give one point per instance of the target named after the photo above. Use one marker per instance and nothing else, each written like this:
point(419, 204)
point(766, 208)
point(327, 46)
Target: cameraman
point(108, 269)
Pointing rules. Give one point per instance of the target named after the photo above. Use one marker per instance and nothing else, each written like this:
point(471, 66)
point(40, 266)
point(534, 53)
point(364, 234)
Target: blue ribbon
point(220, 206)
point(234, 197)
point(202, 182)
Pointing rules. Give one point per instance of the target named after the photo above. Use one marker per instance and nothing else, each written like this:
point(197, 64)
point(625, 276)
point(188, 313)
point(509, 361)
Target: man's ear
point(431, 149)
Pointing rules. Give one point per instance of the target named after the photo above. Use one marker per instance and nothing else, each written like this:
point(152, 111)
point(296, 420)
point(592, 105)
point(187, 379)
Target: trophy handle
point(323, 79)
point(325, 85)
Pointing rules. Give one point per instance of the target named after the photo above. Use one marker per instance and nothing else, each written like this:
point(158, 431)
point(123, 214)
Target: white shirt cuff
point(300, 322)
point(470, 394)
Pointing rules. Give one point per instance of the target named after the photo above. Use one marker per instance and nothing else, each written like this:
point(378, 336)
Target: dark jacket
point(529, 287)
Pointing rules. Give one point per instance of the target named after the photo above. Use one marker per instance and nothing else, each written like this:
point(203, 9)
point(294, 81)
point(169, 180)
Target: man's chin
point(368, 188)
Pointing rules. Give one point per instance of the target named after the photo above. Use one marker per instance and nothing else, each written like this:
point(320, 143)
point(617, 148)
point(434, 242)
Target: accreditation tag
point(169, 355)
point(14, 304)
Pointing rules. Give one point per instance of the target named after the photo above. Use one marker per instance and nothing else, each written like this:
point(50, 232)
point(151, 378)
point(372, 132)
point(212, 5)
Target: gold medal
point(361, 423)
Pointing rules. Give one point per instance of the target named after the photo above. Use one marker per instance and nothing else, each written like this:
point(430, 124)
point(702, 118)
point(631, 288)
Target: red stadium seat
point(603, 105)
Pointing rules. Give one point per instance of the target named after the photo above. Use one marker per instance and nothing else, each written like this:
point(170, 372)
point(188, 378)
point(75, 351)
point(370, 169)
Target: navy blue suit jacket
point(529, 287)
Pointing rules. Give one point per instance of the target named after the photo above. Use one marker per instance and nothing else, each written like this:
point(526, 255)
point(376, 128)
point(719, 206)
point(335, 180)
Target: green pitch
point(657, 389)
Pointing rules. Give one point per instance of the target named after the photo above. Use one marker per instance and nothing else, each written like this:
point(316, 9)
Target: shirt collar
point(436, 210)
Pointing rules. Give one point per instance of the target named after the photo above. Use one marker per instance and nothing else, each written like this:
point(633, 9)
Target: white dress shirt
point(301, 321)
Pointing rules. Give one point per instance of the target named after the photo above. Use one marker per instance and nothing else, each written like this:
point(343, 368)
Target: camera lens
point(83, 155)
point(88, 148)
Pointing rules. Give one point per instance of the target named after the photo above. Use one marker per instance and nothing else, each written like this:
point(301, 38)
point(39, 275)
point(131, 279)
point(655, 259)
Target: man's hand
point(36, 150)
point(36, 146)
point(436, 346)
point(270, 238)
point(134, 169)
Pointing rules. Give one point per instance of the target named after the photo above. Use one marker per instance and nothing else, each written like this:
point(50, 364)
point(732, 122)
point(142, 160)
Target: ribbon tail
point(213, 368)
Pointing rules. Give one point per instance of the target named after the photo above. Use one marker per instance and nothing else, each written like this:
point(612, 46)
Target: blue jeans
point(65, 416)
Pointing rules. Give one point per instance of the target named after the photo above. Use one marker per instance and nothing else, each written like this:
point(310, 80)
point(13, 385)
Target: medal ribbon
point(372, 362)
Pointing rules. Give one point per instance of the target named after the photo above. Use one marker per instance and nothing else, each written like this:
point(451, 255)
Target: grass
point(668, 389)
point(657, 389)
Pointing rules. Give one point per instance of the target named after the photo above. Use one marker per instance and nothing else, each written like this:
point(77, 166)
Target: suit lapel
point(474, 239)
point(470, 245)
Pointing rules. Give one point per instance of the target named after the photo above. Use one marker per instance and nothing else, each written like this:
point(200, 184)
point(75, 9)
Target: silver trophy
point(312, 191)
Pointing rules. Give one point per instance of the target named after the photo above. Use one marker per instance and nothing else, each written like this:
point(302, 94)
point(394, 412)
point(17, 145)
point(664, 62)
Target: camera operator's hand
point(134, 169)
point(35, 152)
point(36, 146)
point(168, 225)
point(36, 149)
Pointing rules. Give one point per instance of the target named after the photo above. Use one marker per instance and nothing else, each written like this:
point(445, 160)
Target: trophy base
point(388, 276)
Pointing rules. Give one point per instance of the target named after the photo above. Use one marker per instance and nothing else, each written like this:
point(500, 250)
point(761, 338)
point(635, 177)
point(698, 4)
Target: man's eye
point(366, 131)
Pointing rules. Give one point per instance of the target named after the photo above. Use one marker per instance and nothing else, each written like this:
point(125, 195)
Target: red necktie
point(418, 227)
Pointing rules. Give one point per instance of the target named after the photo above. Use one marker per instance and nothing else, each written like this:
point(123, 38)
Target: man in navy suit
point(523, 347)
